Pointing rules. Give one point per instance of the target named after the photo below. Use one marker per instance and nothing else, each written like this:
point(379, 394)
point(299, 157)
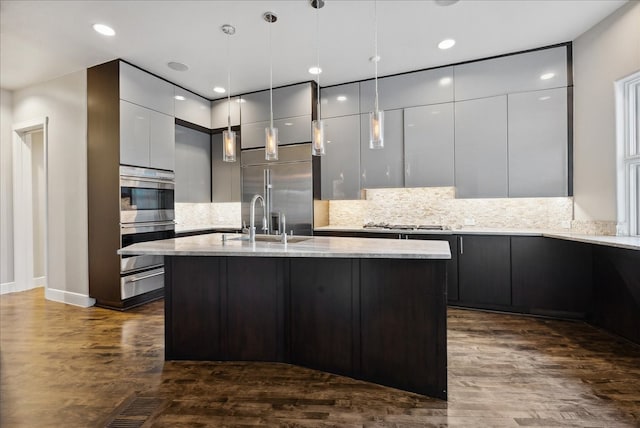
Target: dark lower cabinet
point(323, 314)
point(400, 301)
point(551, 276)
point(616, 277)
point(484, 270)
point(452, 265)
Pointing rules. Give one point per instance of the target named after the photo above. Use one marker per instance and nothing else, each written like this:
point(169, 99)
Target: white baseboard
point(39, 282)
point(69, 297)
point(7, 287)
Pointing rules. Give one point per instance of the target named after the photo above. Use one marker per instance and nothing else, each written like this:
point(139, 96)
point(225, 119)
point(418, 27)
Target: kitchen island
point(372, 309)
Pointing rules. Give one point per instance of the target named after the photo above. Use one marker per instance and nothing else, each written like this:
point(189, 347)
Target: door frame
point(23, 204)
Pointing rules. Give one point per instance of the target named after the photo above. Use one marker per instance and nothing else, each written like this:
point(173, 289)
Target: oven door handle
point(140, 278)
point(146, 183)
point(131, 228)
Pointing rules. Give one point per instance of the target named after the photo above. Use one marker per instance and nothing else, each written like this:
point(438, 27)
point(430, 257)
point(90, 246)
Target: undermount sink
point(278, 238)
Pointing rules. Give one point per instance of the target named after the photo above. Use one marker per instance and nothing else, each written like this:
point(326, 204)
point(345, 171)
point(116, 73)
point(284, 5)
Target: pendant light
point(271, 133)
point(317, 126)
point(228, 136)
point(376, 117)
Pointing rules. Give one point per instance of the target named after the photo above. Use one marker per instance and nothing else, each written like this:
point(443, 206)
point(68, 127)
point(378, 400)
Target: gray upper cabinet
point(220, 112)
point(340, 100)
point(428, 146)
point(408, 90)
point(510, 74)
point(538, 143)
point(193, 165)
point(162, 141)
point(192, 108)
point(290, 131)
point(340, 166)
point(147, 90)
point(288, 101)
point(225, 176)
point(481, 148)
point(382, 167)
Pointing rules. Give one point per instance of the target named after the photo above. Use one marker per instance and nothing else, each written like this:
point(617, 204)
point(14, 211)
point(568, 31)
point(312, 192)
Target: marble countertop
point(318, 246)
point(626, 242)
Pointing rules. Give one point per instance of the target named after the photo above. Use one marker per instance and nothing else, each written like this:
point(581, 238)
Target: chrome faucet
point(252, 217)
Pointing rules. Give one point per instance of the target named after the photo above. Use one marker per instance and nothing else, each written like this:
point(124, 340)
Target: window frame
point(627, 92)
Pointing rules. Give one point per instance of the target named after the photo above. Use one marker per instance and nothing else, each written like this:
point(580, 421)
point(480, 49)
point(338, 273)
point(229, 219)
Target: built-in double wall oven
point(146, 214)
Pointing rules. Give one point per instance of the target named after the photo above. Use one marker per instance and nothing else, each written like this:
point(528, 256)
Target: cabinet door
point(292, 101)
point(193, 165)
point(192, 108)
point(220, 112)
point(513, 73)
point(144, 89)
point(340, 166)
point(382, 167)
point(341, 100)
point(293, 130)
point(225, 176)
point(428, 146)
point(162, 141)
point(551, 276)
point(252, 134)
point(538, 143)
point(254, 107)
point(484, 270)
point(408, 90)
point(134, 134)
point(481, 148)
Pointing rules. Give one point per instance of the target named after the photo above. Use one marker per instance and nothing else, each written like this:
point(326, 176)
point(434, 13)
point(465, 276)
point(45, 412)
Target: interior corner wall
point(605, 53)
point(6, 189)
point(64, 102)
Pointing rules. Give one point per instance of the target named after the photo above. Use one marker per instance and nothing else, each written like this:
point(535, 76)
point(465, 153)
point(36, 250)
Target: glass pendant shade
point(228, 146)
point(376, 129)
point(317, 148)
point(271, 143)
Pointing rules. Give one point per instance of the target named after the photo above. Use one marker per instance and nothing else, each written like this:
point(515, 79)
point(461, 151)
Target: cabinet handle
point(461, 246)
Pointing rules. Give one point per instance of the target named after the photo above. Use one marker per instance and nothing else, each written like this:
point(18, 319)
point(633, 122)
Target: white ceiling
point(41, 40)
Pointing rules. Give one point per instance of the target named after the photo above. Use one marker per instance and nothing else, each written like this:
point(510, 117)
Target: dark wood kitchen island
point(372, 309)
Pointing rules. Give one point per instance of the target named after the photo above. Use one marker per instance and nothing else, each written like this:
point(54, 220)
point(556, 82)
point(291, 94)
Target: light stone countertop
point(318, 246)
point(625, 242)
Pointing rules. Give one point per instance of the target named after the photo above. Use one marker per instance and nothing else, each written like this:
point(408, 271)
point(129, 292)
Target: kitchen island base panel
point(380, 320)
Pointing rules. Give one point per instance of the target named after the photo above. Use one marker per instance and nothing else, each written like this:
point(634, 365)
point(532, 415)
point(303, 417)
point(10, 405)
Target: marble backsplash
point(218, 214)
point(438, 206)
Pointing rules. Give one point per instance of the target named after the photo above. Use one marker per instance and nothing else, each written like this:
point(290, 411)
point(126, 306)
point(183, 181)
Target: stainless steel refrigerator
point(285, 184)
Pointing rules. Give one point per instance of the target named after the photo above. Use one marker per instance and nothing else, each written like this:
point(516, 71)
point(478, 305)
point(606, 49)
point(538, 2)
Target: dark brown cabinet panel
point(323, 309)
point(484, 270)
point(254, 309)
point(551, 276)
point(401, 308)
point(452, 265)
point(184, 339)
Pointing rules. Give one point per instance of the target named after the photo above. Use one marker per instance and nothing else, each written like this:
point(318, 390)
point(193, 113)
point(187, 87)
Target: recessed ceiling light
point(179, 98)
point(341, 98)
point(446, 44)
point(177, 66)
point(445, 81)
point(315, 70)
point(547, 76)
point(105, 30)
point(219, 90)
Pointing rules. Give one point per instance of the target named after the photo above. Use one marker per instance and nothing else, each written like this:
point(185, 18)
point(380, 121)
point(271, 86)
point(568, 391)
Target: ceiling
point(41, 40)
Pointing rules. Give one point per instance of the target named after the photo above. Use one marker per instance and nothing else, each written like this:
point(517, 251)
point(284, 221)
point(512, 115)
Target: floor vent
point(134, 412)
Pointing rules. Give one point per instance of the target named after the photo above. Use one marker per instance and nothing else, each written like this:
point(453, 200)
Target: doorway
point(30, 180)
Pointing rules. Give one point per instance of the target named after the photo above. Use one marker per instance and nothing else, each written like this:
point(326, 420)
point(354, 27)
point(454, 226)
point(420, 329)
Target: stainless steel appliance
point(146, 214)
point(285, 184)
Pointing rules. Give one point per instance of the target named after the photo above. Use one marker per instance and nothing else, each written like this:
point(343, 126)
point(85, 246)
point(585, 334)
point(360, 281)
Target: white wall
point(6, 189)
point(64, 102)
point(605, 53)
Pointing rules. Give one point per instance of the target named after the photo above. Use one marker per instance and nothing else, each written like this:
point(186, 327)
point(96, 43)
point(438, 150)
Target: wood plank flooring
point(62, 366)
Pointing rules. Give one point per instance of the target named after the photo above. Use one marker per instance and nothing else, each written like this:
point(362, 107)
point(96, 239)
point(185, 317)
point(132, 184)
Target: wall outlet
point(469, 222)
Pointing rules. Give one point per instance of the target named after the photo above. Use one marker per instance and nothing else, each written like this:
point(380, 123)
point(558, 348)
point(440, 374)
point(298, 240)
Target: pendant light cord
point(375, 45)
point(318, 61)
point(228, 86)
point(270, 77)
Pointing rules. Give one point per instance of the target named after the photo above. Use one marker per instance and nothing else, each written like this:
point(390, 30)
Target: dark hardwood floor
point(62, 366)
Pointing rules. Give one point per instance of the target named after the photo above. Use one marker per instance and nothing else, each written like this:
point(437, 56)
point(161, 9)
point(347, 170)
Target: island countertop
point(314, 246)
